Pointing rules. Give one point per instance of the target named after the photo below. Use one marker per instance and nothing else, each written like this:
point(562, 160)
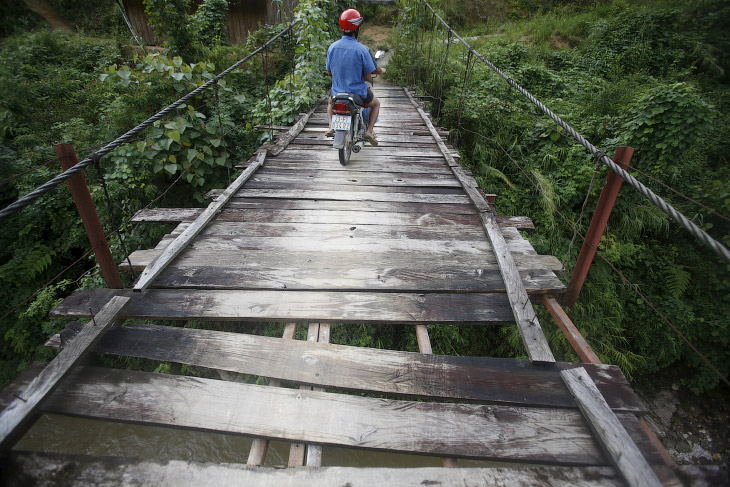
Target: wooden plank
point(19, 413)
point(538, 435)
point(363, 196)
point(308, 186)
point(615, 440)
point(352, 217)
point(537, 346)
point(314, 452)
point(173, 250)
point(404, 374)
point(328, 307)
point(360, 278)
point(236, 205)
point(316, 178)
point(42, 470)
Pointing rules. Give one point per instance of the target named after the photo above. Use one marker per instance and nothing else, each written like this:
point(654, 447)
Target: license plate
point(341, 122)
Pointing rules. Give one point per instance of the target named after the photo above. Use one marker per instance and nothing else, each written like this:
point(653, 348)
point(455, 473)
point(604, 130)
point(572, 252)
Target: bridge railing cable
point(673, 213)
point(129, 135)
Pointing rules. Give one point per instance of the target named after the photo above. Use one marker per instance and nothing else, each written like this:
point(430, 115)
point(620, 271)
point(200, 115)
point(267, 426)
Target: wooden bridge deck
point(394, 237)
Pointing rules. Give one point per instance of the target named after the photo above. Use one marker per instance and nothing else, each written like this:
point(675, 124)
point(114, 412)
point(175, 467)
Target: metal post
point(598, 225)
point(89, 217)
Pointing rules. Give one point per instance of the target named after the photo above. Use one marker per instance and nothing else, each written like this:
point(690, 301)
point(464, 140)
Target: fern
point(494, 172)
point(27, 264)
point(677, 278)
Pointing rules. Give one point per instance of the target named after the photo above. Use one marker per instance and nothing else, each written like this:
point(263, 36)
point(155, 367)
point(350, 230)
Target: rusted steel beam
point(87, 211)
point(598, 225)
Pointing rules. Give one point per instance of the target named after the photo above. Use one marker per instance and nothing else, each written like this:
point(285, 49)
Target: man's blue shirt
point(348, 61)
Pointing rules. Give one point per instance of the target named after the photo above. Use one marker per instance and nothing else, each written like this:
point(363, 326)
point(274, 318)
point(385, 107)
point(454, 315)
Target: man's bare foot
point(329, 133)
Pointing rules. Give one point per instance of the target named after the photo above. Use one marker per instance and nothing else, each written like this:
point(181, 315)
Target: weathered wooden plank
point(384, 140)
point(19, 413)
point(316, 178)
point(355, 188)
point(615, 440)
point(352, 217)
point(173, 250)
point(537, 346)
point(189, 214)
point(539, 435)
point(363, 196)
point(56, 470)
point(406, 374)
point(385, 279)
point(328, 307)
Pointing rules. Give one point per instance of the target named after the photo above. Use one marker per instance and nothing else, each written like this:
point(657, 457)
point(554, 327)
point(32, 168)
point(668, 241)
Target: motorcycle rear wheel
point(346, 150)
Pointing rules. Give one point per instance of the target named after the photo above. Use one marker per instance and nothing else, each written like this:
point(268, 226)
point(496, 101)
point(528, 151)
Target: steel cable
point(673, 213)
point(128, 136)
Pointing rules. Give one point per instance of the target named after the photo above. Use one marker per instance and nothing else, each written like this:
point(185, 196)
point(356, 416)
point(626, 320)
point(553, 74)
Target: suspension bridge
point(400, 236)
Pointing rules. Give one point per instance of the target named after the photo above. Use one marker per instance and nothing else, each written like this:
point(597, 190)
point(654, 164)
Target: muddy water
point(64, 434)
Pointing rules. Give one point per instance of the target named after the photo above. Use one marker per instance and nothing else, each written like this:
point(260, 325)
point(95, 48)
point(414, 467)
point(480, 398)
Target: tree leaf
point(174, 135)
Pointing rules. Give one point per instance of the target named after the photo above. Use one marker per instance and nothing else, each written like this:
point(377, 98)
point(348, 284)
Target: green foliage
point(171, 23)
point(211, 21)
point(190, 141)
point(638, 75)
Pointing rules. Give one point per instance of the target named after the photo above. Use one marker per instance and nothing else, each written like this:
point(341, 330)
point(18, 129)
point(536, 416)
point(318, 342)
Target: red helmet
point(350, 20)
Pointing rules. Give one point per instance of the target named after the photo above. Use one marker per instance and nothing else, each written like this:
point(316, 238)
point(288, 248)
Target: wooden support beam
point(173, 250)
point(536, 345)
point(85, 206)
point(610, 433)
point(20, 413)
point(297, 451)
point(424, 346)
point(259, 446)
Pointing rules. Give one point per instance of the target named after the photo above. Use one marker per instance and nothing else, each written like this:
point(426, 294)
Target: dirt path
point(43, 9)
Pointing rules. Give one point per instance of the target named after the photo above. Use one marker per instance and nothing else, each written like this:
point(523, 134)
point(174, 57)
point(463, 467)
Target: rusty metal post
point(598, 225)
point(89, 217)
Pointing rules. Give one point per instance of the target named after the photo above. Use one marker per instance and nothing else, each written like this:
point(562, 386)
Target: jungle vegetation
point(652, 75)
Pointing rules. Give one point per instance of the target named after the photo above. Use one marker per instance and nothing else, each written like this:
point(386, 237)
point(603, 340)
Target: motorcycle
point(349, 121)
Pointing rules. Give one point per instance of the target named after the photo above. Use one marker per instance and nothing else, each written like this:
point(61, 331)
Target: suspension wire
point(582, 212)
point(49, 185)
point(467, 75)
point(265, 65)
point(430, 45)
point(220, 129)
point(679, 193)
point(675, 215)
point(443, 69)
point(667, 321)
point(28, 171)
point(615, 269)
point(112, 218)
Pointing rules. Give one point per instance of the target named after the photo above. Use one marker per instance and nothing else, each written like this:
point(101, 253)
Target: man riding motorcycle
point(351, 66)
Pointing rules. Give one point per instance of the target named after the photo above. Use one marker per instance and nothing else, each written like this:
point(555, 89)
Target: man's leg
point(329, 132)
point(374, 111)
